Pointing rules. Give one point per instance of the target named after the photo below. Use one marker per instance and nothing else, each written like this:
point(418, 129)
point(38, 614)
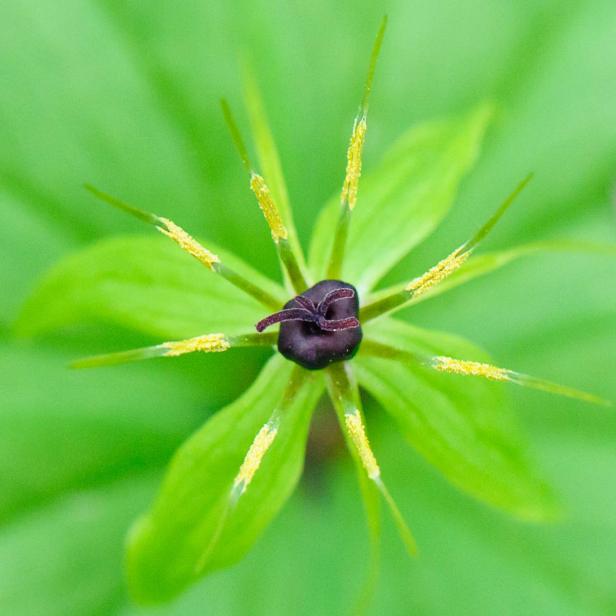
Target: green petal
point(167, 545)
point(403, 199)
point(146, 284)
point(464, 428)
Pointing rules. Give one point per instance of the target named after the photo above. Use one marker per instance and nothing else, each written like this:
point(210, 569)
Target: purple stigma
point(313, 313)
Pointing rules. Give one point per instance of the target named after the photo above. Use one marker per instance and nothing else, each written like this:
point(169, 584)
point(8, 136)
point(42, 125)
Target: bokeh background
point(125, 94)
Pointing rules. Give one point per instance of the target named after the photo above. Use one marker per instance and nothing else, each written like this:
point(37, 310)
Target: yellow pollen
point(358, 435)
point(353, 168)
point(268, 207)
point(210, 343)
point(188, 243)
point(254, 457)
point(471, 368)
point(438, 273)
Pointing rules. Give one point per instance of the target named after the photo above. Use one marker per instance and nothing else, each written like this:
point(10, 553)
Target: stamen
point(350, 186)
point(268, 207)
point(254, 457)
point(252, 461)
point(358, 136)
point(345, 397)
point(353, 168)
point(444, 268)
point(280, 234)
point(188, 243)
point(479, 369)
point(471, 368)
point(438, 273)
point(210, 343)
point(355, 426)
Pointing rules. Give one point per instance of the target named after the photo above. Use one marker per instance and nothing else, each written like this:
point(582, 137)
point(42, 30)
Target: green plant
point(232, 476)
point(124, 94)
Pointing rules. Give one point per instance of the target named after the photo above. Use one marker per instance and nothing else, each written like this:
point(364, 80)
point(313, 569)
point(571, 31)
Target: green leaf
point(66, 557)
point(167, 546)
point(147, 284)
point(464, 428)
point(486, 263)
point(403, 199)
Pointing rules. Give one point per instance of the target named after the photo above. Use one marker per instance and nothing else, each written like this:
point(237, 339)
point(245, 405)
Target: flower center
point(319, 326)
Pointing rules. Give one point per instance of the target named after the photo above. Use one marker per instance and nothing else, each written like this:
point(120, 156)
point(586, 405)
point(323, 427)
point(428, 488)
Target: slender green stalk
point(280, 234)
point(334, 269)
point(190, 245)
point(384, 305)
point(245, 285)
point(478, 369)
point(122, 357)
point(344, 395)
point(292, 266)
point(147, 217)
point(374, 56)
point(268, 157)
point(442, 270)
point(348, 198)
point(484, 264)
point(208, 343)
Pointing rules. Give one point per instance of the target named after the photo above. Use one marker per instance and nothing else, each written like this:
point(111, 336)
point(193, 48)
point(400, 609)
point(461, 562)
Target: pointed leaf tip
point(166, 548)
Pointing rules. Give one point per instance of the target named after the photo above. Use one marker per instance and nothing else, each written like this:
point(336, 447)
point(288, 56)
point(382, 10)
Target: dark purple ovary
point(320, 326)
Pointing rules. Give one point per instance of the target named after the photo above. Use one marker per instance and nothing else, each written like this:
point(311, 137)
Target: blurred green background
point(125, 94)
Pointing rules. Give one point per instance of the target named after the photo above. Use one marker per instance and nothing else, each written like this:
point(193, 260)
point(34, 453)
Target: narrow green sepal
point(142, 215)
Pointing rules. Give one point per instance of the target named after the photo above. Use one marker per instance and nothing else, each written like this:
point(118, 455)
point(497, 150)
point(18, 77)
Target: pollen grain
point(254, 456)
point(268, 207)
point(438, 273)
point(357, 432)
point(353, 168)
point(209, 343)
point(188, 243)
point(470, 368)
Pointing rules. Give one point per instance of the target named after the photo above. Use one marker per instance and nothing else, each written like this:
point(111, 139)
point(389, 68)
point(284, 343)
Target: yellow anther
point(438, 273)
point(254, 457)
point(210, 343)
point(357, 432)
point(268, 207)
point(188, 243)
point(353, 168)
point(470, 368)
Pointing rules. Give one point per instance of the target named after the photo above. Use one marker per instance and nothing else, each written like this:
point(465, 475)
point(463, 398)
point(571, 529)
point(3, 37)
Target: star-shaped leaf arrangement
point(336, 335)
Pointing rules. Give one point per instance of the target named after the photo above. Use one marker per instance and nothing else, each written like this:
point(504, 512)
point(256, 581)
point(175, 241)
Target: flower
point(228, 481)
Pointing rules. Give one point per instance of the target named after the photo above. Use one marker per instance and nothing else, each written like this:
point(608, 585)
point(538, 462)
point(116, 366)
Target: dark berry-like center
point(320, 326)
